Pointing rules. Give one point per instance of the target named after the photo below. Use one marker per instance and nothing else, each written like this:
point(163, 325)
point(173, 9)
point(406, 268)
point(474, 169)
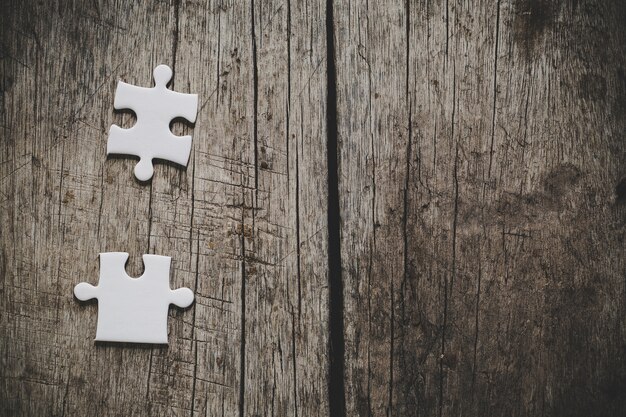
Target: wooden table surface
point(392, 208)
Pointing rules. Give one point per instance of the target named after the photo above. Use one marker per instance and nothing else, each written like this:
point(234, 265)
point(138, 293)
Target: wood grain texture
point(245, 222)
point(460, 250)
point(481, 147)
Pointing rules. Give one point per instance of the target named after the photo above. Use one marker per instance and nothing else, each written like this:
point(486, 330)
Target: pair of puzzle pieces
point(133, 309)
point(151, 136)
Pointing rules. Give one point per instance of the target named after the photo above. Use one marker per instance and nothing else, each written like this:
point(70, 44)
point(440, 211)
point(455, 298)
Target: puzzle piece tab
point(133, 309)
point(151, 136)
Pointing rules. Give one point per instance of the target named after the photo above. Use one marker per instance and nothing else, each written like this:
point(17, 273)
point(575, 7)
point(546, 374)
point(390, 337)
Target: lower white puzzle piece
point(151, 136)
point(133, 309)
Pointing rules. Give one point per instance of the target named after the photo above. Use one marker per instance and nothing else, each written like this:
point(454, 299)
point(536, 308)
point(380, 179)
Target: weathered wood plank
point(373, 136)
point(504, 216)
point(480, 208)
point(196, 213)
point(307, 168)
point(245, 222)
point(212, 53)
point(72, 211)
point(285, 306)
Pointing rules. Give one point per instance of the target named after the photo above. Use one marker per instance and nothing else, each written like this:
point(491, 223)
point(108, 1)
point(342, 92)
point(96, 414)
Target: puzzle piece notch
point(133, 309)
point(151, 136)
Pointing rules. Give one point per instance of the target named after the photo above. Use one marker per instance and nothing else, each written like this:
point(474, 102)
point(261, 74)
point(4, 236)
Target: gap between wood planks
point(336, 387)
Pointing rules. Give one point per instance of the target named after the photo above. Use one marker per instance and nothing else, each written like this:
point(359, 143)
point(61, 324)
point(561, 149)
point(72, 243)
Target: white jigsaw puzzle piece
point(151, 136)
point(133, 309)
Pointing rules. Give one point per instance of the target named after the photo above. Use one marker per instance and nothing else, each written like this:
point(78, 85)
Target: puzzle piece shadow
point(137, 346)
point(126, 345)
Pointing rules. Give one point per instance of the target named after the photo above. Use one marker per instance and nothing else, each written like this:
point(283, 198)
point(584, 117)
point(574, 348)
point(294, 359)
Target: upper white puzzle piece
point(151, 136)
point(133, 309)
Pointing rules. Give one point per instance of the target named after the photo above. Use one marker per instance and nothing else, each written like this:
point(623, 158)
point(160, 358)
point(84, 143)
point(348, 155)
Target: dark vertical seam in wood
point(336, 387)
point(101, 202)
point(148, 251)
point(543, 403)
point(311, 37)
point(369, 354)
point(504, 251)
point(372, 245)
point(274, 381)
point(526, 117)
point(405, 242)
point(242, 347)
point(195, 290)
point(288, 134)
point(14, 226)
point(476, 322)
point(193, 327)
point(447, 28)
point(370, 268)
point(32, 194)
point(295, 373)
point(446, 286)
point(193, 204)
point(59, 223)
point(149, 373)
point(495, 91)
point(435, 150)
point(255, 86)
point(407, 11)
point(149, 216)
point(456, 192)
point(427, 46)
point(60, 186)
point(223, 397)
point(219, 49)
point(255, 92)
point(35, 113)
point(65, 392)
point(392, 319)
point(298, 236)
point(175, 37)
point(288, 101)
point(223, 405)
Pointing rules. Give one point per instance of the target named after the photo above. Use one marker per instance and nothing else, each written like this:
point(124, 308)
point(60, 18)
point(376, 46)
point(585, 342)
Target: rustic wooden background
point(392, 208)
